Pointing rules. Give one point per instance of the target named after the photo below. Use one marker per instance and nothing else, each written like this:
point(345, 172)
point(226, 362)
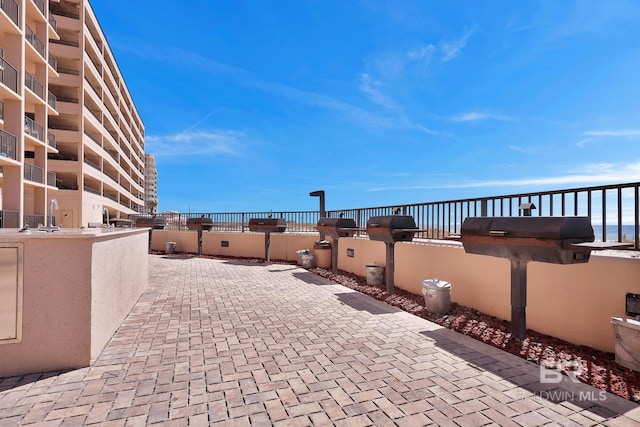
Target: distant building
point(150, 184)
point(69, 129)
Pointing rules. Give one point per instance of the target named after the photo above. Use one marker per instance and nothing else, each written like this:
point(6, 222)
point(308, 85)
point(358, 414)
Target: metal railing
point(51, 178)
point(53, 61)
point(40, 5)
point(33, 221)
point(8, 145)
point(614, 211)
point(33, 173)
point(53, 22)
point(52, 100)
point(8, 75)
point(9, 219)
point(94, 165)
point(32, 83)
point(1, 110)
point(92, 190)
point(33, 129)
point(51, 139)
point(12, 10)
point(34, 40)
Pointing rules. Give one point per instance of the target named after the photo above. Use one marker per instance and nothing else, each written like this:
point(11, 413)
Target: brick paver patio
point(215, 342)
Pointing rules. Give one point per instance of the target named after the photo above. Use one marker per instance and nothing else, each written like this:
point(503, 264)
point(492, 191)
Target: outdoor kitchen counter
point(64, 293)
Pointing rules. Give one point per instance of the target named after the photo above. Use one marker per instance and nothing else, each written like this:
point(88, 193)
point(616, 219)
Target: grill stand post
point(334, 256)
point(389, 269)
point(518, 298)
point(267, 246)
point(200, 241)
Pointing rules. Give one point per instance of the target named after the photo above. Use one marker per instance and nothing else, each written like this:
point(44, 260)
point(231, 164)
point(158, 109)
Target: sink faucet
point(106, 211)
point(51, 227)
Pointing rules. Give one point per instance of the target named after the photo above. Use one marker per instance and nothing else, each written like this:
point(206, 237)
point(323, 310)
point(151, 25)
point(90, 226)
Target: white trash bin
point(170, 247)
point(627, 349)
point(437, 295)
point(375, 274)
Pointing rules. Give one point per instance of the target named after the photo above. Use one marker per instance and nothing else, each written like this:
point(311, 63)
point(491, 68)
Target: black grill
point(336, 228)
point(199, 223)
point(391, 229)
point(156, 223)
point(268, 225)
point(558, 240)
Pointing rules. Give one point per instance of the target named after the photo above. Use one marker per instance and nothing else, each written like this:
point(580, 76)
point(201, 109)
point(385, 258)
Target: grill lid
point(268, 225)
point(391, 228)
point(337, 227)
point(545, 239)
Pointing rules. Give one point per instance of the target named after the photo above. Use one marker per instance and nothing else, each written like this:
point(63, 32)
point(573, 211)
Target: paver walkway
point(215, 342)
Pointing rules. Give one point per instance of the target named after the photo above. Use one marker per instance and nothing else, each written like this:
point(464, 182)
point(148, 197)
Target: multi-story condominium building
point(68, 127)
point(150, 184)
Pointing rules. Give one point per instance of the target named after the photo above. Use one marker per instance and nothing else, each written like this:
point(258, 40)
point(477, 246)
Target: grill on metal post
point(336, 228)
point(199, 224)
point(557, 240)
point(391, 229)
point(267, 226)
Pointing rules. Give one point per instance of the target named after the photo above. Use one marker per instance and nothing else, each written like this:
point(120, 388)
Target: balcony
point(33, 173)
point(34, 40)
point(34, 85)
point(40, 5)
point(53, 61)
point(9, 219)
point(53, 22)
point(51, 139)
point(8, 75)
point(52, 100)
point(33, 129)
point(1, 110)
point(8, 145)
point(51, 179)
point(12, 10)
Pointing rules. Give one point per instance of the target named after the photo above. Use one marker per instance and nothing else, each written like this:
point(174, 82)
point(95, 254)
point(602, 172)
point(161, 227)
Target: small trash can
point(306, 258)
point(375, 274)
point(322, 250)
point(437, 295)
point(170, 247)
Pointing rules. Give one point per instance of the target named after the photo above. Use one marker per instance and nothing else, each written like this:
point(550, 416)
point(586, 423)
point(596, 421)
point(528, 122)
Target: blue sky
point(250, 105)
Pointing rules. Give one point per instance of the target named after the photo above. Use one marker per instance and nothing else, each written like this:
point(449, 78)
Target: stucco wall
point(571, 302)
point(76, 292)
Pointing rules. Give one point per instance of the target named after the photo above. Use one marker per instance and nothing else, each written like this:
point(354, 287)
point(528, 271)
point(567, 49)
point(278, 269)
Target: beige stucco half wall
point(77, 288)
point(571, 302)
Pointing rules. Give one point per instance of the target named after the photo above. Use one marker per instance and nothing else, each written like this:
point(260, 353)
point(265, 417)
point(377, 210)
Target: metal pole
point(334, 256)
point(518, 298)
point(389, 270)
point(267, 244)
point(323, 213)
point(200, 241)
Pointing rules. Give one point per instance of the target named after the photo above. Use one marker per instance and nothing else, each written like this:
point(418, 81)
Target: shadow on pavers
point(536, 384)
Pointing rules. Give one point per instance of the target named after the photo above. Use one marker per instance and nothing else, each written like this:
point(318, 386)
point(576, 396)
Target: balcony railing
point(110, 197)
point(52, 100)
point(33, 129)
point(34, 40)
point(92, 164)
point(53, 61)
point(12, 10)
point(51, 139)
point(34, 221)
point(614, 211)
point(53, 22)
point(92, 190)
point(40, 5)
point(8, 75)
point(8, 145)
point(1, 110)
point(9, 219)
point(33, 173)
point(33, 84)
point(51, 178)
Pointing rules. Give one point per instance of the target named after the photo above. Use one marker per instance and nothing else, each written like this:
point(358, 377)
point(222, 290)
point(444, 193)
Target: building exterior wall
point(150, 184)
point(70, 130)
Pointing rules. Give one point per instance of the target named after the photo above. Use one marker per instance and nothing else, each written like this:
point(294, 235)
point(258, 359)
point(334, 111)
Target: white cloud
point(372, 89)
point(613, 133)
point(453, 49)
point(475, 116)
point(421, 52)
point(199, 143)
point(589, 174)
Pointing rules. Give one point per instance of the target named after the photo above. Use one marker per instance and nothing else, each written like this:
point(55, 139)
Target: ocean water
point(612, 232)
